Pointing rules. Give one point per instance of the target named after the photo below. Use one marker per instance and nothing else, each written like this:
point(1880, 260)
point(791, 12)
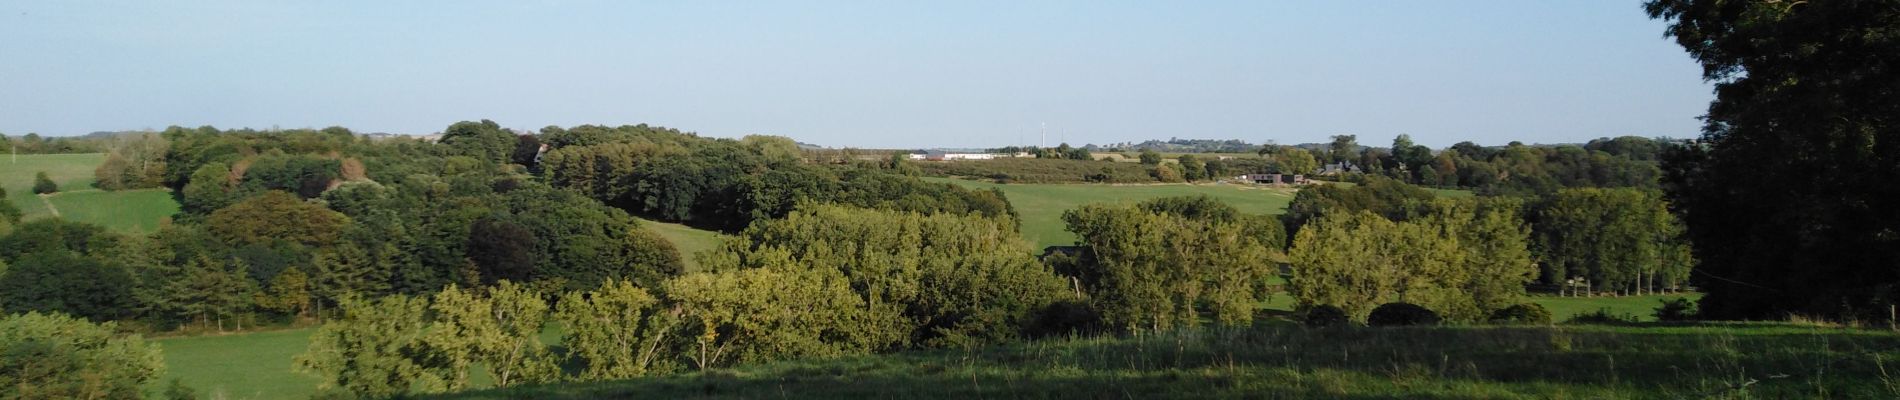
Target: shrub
point(1402, 314)
point(1065, 317)
point(1602, 316)
point(1322, 316)
point(1523, 314)
point(43, 185)
point(54, 356)
point(1678, 309)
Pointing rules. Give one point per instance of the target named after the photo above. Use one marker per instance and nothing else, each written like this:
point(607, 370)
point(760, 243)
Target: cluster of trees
point(826, 280)
point(133, 161)
point(1039, 170)
point(1601, 240)
point(1789, 194)
point(1513, 169)
point(1060, 152)
point(49, 356)
point(286, 224)
point(1164, 263)
point(727, 184)
point(1618, 240)
point(33, 143)
point(1463, 258)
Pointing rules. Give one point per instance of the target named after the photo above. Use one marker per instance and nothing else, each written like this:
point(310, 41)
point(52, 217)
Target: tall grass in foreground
point(1768, 361)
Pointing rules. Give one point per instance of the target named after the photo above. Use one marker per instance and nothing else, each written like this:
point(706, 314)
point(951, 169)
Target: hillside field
point(1041, 205)
point(70, 171)
point(130, 211)
point(688, 240)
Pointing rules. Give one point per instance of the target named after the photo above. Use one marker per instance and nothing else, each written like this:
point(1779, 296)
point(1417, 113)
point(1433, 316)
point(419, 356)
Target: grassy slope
point(1279, 361)
point(123, 211)
point(1041, 205)
point(70, 171)
point(240, 366)
point(688, 240)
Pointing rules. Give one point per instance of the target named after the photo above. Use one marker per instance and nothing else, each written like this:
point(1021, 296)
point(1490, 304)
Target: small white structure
point(934, 155)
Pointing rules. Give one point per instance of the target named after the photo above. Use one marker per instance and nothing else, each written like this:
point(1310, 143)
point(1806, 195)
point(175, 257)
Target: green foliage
point(500, 330)
point(1294, 160)
point(211, 188)
point(1603, 316)
point(483, 140)
point(1464, 258)
point(1043, 170)
point(1677, 309)
point(43, 185)
point(1401, 314)
point(1522, 314)
point(1147, 268)
point(1150, 157)
point(1324, 315)
point(1788, 195)
point(1622, 240)
point(954, 280)
point(63, 282)
point(618, 331)
point(276, 216)
point(774, 313)
point(374, 349)
point(1385, 197)
point(52, 356)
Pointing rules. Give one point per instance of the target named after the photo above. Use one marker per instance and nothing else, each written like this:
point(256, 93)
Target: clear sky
point(860, 73)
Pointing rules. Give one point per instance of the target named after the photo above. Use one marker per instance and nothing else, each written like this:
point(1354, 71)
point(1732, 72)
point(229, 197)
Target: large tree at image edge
point(1790, 196)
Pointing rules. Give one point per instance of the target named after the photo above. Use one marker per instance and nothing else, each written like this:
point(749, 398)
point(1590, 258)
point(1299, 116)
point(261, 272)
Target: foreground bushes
point(53, 356)
point(1401, 314)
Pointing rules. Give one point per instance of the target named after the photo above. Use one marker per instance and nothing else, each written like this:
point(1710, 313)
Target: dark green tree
point(1789, 195)
point(43, 185)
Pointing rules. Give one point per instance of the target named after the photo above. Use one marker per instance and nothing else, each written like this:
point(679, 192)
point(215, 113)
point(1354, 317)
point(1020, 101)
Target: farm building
point(1274, 179)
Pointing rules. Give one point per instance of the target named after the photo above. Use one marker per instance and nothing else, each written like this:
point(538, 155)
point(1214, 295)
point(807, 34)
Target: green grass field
point(238, 366)
point(1642, 307)
point(1278, 360)
point(131, 211)
point(688, 240)
point(1041, 205)
point(70, 171)
point(125, 211)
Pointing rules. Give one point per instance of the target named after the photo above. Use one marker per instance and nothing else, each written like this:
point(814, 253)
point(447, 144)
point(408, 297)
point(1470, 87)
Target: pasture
point(132, 211)
point(238, 366)
point(70, 171)
point(1041, 205)
point(688, 240)
point(128, 211)
point(1279, 360)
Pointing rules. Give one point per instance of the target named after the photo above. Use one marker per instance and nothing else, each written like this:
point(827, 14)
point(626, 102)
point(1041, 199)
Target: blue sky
point(860, 73)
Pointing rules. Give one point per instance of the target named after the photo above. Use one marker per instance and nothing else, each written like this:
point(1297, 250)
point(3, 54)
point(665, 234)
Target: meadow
point(688, 240)
point(1280, 360)
point(130, 211)
point(1041, 205)
point(70, 171)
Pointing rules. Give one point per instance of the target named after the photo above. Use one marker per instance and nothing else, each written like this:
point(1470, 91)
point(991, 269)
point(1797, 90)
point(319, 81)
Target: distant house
point(1338, 168)
point(1274, 179)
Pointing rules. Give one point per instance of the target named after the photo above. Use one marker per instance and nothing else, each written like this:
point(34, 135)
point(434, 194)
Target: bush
point(1678, 309)
point(1065, 318)
point(43, 185)
point(1323, 316)
point(1402, 314)
point(1522, 314)
point(1602, 316)
point(54, 356)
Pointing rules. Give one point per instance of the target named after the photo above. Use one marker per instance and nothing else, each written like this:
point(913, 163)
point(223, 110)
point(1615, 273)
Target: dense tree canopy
point(1159, 264)
point(1789, 195)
